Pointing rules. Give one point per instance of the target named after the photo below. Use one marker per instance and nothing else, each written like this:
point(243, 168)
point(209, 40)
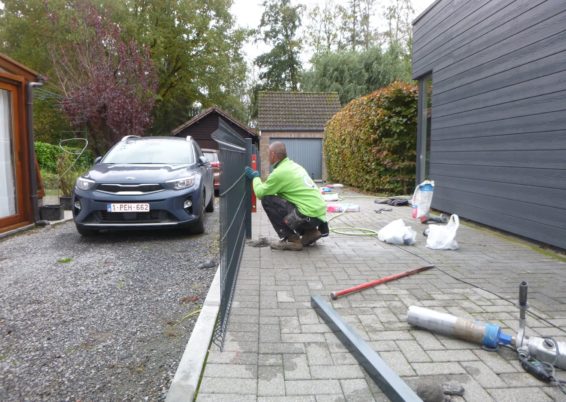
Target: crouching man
point(291, 200)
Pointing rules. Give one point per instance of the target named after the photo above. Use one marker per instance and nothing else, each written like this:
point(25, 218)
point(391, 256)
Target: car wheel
point(86, 232)
point(210, 206)
point(198, 226)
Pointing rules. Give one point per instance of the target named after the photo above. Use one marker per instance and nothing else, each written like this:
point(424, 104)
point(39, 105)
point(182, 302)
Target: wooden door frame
point(16, 86)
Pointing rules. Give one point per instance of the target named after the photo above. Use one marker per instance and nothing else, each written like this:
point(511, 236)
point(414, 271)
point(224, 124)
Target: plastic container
point(422, 198)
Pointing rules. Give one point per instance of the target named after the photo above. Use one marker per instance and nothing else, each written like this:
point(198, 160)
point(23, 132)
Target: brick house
point(297, 119)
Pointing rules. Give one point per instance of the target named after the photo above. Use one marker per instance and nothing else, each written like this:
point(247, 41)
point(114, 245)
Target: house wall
point(268, 136)
point(498, 140)
point(202, 130)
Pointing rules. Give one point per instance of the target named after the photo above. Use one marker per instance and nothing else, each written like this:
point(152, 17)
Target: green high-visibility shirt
point(290, 181)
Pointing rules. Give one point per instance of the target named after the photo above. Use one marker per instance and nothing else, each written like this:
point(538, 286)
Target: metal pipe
point(523, 290)
point(31, 148)
point(358, 288)
point(486, 334)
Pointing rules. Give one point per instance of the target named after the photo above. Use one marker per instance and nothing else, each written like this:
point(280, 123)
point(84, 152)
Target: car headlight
point(84, 184)
point(181, 184)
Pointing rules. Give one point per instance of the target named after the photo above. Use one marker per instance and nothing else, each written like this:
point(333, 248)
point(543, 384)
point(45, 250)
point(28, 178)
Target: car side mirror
point(203, 160)
point(97, 159)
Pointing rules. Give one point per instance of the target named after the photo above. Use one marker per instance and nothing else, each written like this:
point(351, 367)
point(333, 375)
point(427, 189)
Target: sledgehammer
point(357, 288)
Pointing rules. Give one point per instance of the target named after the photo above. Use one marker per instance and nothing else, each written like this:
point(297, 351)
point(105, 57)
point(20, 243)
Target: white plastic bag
point(397, 232)
point(422, 198)
point(443, 237)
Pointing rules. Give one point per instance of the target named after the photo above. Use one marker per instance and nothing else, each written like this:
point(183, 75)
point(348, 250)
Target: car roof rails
point(127, 137)
point(188, 138)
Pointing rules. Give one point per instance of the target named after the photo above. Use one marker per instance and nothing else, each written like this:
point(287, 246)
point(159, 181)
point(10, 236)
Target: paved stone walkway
point(278, 349)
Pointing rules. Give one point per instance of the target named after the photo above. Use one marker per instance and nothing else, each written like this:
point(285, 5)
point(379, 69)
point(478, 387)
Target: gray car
point(145, 183)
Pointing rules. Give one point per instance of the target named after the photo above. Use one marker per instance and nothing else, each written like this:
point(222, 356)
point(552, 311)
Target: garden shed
point(18, 169)
point(201, 127)
point(297, 119)
point(492, 112)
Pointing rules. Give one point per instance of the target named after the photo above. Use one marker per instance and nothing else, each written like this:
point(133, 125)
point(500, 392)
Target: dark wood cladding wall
point(498, 142)
point(201, 131)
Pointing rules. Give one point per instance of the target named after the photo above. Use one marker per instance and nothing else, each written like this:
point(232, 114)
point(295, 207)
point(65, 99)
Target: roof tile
point(300, 111)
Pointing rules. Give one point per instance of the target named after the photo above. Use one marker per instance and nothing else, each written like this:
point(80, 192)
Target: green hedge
point(48, 157)
point(371, 143)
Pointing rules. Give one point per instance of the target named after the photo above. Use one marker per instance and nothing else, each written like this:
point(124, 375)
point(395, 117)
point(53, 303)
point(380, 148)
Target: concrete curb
point(185, 382)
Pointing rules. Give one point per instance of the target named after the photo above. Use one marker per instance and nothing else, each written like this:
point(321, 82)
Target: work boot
point(323, 229)
point(291, 243)
point(310, 236)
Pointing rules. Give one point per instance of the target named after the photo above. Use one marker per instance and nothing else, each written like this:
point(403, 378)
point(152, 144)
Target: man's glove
point(250, 173)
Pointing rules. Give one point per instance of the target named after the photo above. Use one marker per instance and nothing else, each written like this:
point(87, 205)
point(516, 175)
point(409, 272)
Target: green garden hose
point(354, 231)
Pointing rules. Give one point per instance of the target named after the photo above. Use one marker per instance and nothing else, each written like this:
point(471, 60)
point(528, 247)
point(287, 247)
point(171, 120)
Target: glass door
point(10, 169)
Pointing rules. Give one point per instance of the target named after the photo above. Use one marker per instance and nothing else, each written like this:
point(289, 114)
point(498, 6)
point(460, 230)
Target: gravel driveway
point(105, 318)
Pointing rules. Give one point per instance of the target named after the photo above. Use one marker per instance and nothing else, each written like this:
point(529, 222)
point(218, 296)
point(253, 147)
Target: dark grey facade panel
point(435, 16)
point(480, 142)
point(540, 60)
point(549, 159)
point(491, 34)
point(498, 138)
point(473, 15)
point(536, 196)
point(508, 38)
point(550, 178)
point(531, 123)
point(527, 90)
point(552, 102)
point(512, 216)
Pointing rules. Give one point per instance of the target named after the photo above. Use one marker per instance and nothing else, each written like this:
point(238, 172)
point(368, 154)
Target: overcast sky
point(248, 14)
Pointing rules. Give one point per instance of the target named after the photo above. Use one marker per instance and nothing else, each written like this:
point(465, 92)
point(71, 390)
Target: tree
point(340, 27)
point(353, 74)
point(197, 51)
point(281, 66)
point(108, 82)
point(194, 46)
point(322, 33)
point(398, 15)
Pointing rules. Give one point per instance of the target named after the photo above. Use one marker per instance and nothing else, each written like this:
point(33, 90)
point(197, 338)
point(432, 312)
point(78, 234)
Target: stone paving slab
point(278, 349)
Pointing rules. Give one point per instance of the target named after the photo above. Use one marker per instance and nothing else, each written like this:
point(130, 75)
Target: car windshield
point(151, 152)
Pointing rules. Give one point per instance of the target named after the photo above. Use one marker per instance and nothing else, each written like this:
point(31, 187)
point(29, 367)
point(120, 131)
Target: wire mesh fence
point(235, 217)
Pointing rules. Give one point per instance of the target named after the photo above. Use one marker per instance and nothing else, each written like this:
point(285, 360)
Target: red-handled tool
point(254, 167)
point(357, 288)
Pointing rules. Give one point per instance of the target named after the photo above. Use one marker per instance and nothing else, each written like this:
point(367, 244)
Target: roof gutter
point(32, 170)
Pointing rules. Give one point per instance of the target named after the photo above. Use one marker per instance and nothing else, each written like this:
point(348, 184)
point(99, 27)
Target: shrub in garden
point(371, 143)
point(58, 168)
point(48, 156)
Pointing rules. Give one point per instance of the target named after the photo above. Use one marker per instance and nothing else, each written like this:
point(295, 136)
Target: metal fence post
point(248, 195)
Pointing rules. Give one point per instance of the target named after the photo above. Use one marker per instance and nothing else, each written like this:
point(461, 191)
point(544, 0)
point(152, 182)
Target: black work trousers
point(278, 208)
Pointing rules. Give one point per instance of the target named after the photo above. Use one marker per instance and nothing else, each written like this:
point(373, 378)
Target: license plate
point(127, 207)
